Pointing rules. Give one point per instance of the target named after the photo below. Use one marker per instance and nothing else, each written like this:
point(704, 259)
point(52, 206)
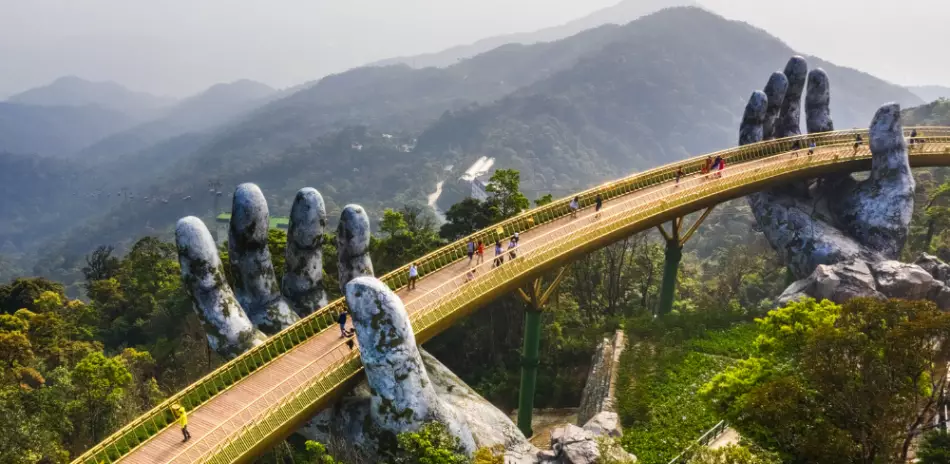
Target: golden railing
point(427, 323)
point(457, 297)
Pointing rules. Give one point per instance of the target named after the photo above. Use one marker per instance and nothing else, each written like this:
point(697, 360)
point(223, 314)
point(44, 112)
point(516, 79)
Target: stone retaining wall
point(599, 391)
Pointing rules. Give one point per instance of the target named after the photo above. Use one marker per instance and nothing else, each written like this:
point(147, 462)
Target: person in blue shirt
point(342, 321)
point(413, 275)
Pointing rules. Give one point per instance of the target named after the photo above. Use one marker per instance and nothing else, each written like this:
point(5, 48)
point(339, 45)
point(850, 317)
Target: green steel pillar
point(536, 299)
point(674, 254)
point(529, 369)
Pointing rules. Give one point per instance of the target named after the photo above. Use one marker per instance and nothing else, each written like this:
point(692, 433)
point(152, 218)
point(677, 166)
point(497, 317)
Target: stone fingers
point(302, 283)
point(352, 242)
point(751, 129)
point(229, 330)
point(789, 119)
point(817, 103)
point(251, 268)
point(775, 93)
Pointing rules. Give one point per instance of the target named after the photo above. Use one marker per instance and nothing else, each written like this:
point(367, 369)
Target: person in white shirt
point(574, 207)
point(413, 275)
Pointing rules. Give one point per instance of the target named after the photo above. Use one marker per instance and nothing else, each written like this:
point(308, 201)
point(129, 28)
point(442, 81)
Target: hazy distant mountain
point(930, 93)
point(935, 113)
point(215, 106)
point(55, 130)
point(621, 13)
point(653, 96)
point(568, 114)
point(74, 91)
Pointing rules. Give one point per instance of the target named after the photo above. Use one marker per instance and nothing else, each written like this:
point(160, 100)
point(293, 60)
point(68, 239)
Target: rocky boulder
point(571, 444)
point(881, 279)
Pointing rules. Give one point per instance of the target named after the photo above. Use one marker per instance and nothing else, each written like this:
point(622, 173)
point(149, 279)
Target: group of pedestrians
point(712, 166)
point(500, 251)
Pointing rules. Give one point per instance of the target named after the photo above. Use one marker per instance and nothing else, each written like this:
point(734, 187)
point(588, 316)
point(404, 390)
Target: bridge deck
point(225, 414)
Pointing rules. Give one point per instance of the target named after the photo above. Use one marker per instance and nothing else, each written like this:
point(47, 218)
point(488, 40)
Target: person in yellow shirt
point(179, 412)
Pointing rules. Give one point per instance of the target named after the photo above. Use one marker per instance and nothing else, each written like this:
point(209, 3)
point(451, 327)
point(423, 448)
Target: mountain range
point(567, 113)
point(104, 120)
point(621, 13)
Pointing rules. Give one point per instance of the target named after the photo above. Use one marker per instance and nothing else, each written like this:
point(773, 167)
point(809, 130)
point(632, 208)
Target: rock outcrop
point(928, 279)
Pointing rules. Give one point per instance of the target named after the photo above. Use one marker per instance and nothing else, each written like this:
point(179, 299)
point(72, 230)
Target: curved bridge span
point(247, 405)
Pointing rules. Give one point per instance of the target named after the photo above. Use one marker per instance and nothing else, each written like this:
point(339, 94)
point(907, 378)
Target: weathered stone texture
point(251, 267)
point(403, 397)
point(302, 283)
point(229, 330)
point(353, 234)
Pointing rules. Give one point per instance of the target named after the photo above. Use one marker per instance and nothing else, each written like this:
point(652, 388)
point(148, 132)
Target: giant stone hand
point(842, 219)
point(258, 306)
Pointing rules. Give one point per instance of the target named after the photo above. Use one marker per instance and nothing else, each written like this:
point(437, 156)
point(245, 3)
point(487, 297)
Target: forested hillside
point(931, 92)
point(932, 114)
point(205, 111)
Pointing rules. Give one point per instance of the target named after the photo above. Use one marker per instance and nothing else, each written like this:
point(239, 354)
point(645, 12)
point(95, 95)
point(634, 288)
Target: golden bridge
point(259, 398)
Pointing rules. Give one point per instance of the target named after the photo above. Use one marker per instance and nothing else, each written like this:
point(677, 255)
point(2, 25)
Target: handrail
point(704, 440)
point(449, 300)
point(132, 435)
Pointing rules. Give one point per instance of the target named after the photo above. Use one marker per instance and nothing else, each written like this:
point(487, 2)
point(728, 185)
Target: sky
point(180, 47)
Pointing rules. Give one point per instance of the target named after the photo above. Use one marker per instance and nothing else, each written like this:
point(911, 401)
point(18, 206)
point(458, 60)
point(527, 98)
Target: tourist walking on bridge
point(707, 165)
point(470, 248)
point(913, 137)
point(575, 205)
point(679, 174)
point(598, 203)
point(342, 321)
point(413, 275)
point(512, 244)
point(182, 417)
point(499, 254)
point(857, 143)
point(480, 251)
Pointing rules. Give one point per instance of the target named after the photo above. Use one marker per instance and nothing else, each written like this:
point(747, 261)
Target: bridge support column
point(535, 298)
point(673, 255)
